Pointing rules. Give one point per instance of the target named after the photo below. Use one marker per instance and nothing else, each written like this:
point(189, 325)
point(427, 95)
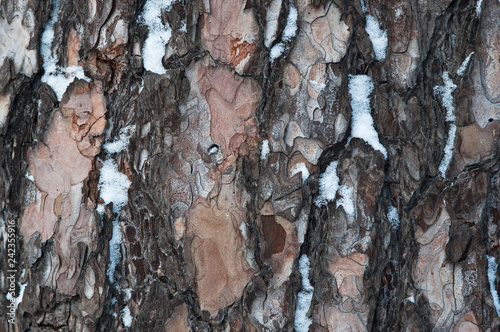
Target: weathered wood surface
point(214, 226)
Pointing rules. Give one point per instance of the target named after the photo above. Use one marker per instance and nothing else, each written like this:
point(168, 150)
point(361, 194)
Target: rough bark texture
point(214, 227)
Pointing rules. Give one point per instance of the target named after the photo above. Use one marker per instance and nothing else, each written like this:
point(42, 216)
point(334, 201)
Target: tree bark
point(249, 165)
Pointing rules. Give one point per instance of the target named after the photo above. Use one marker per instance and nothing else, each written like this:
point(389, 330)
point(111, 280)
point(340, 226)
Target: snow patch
point(328, 184)
point(290, 30)
point(463, 66)
point(478, 7)
point(213, 150)
point(113, 185)
point(289, 33)
point(128, 294)
point(399, 14)
point(57, 77)
point(114, 250)
point(158, 36)
point(360, 88)
point(265, 149)
point(304, 297)
point(120, 144)
point(126, 316)
point(363, 6)
point(29, 177)
point(302, 168)
point(244, 230)
point(446, 91)
point(183, 28)
point(346, 200)
point(448, 150)
point(100, 209)
point(393, 217)
point(492, 278)
point(113, 188)
point(378, 37)
point(276, 51)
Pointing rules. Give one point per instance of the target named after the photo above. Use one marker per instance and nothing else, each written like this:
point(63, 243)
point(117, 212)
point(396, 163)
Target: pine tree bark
point(175, 166)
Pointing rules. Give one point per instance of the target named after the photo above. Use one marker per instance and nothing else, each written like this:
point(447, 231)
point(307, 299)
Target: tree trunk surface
point(229, 165)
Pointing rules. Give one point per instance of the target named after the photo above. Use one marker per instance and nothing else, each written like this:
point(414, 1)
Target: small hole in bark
point(213, 149)
point(490, 120)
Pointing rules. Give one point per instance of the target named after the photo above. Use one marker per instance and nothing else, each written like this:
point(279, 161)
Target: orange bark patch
point(240, 50)
point(60, 164)
point(230, 33)
point(217, 249)
point(274, 235)
point(72, 48)
point(233, 101)
point(280, 246)
point(178, 322)
point(478, 143)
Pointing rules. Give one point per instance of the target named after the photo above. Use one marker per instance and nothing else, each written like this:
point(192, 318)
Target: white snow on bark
point(360, 88)
point(120, 144)
point(29, 177)
point(114, 250)
point(393, 217)
point(265, 149)
point(158, 36)
point(463, 66)
point(57, 77)
point(289, 33)
point(478, 7)
point(304, 297)
point(448, 150)
point(328, 184)
point(300, 168)
point(213, 150)
point(446, 91)
point(276, 51)
point(113, 188)
point(290, 30)
point(363, 6)
point(126, 316)
point(378, 37)
point(113, 185)
point(127, 294)
point(492, 278)
point(346, 199)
